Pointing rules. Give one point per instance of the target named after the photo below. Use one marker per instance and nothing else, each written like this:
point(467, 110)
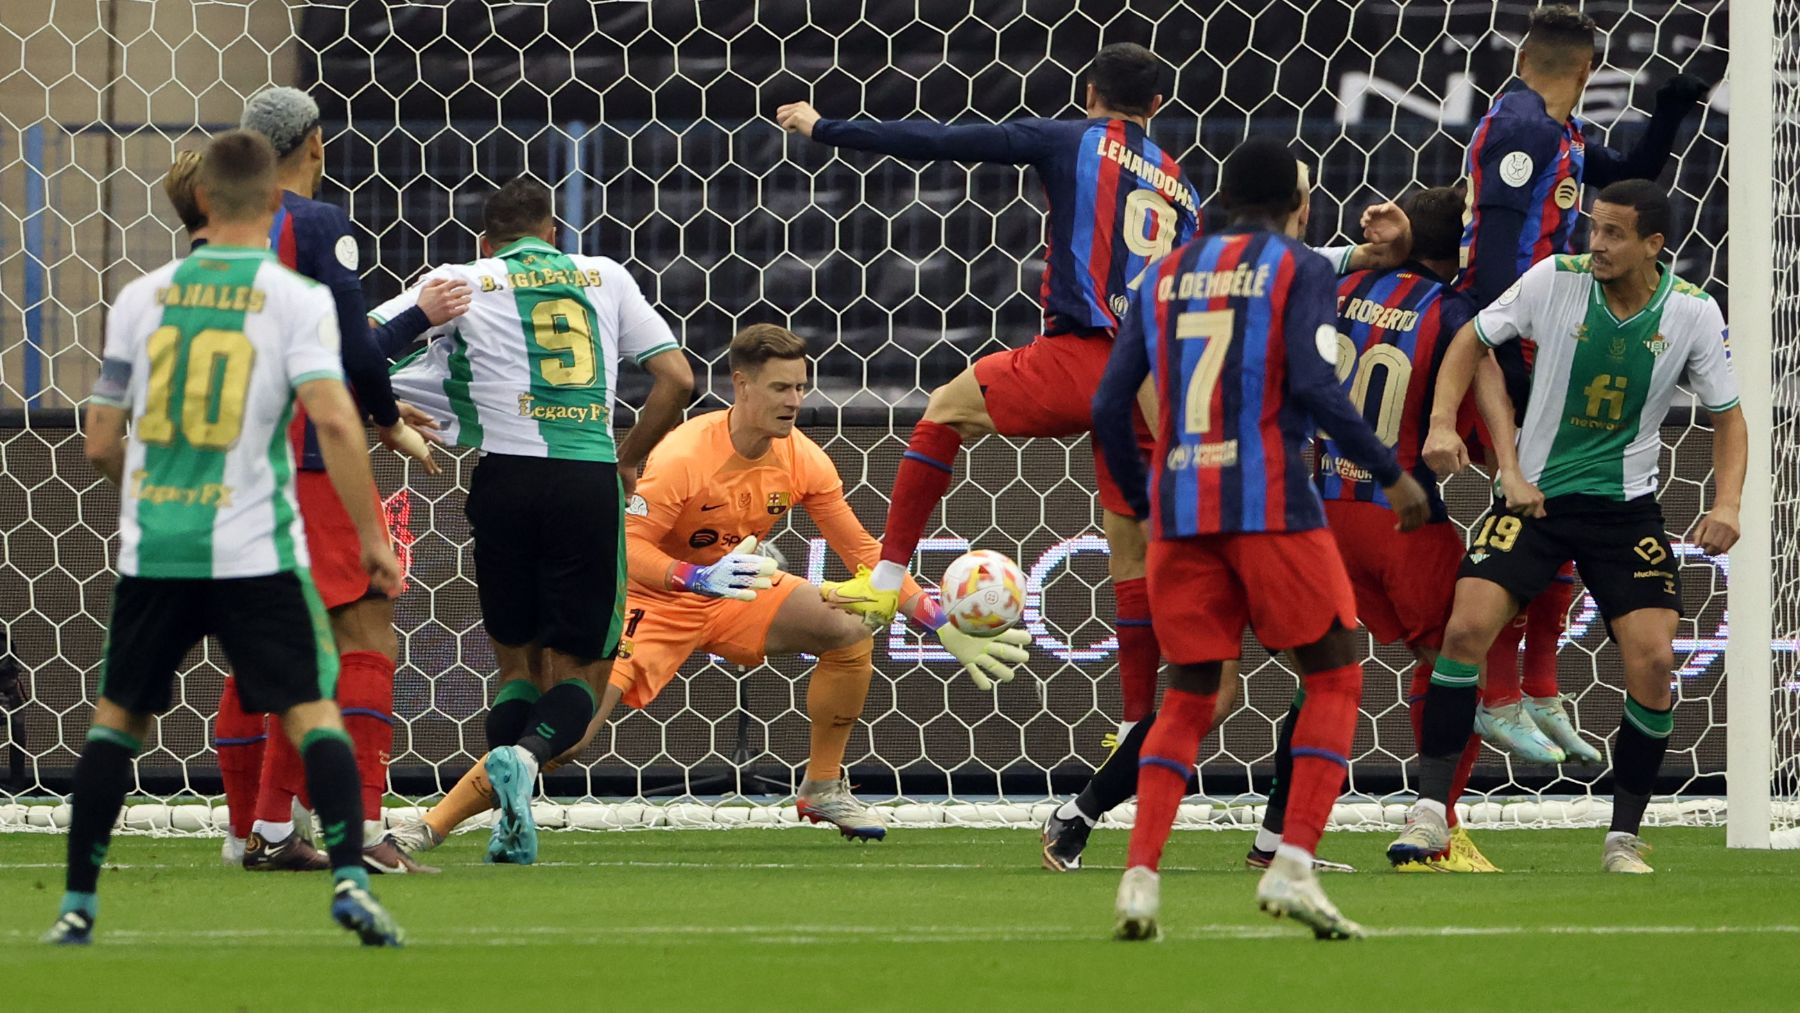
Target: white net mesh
point(1785, 173)
point(653, 123)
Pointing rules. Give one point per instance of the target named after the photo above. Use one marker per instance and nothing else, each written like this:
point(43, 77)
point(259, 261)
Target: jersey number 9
point(1149, 224)
point(561, 327)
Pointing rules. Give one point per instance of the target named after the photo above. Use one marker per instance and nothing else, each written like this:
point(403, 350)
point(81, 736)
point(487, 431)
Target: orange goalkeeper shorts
point(663, 629)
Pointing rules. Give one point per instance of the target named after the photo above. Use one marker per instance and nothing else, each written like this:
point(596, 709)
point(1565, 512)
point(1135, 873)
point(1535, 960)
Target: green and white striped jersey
point(204, 354)
point(531, 369)
point(1600, 385)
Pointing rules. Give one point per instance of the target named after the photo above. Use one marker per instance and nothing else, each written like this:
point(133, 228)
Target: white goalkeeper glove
point(987, 659)
point(739, 574)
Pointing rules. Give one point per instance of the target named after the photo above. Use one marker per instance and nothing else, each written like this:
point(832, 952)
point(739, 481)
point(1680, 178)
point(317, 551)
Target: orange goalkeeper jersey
point(699, 498)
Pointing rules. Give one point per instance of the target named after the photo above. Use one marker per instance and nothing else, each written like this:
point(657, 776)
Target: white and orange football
point(983, 592)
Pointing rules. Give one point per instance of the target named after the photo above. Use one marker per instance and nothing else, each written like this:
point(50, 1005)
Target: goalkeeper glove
point(987, 659)
point(739, 574)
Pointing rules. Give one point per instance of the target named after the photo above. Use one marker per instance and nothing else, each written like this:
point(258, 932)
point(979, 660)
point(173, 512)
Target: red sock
point(1322, 740)
point(1139, 655)
point(1164, 765)
point(365, 695)
point(921, 482)
point(239, 737)
point(1502, 685)
point(283, 776)
point(1545, 619)
point(1415, 710)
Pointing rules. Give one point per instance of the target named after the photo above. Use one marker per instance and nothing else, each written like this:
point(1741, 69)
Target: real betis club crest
point(1657, 344)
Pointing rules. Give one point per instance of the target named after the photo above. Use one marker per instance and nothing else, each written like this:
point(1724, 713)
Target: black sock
point(1637, 757)
point(1275, 816)
point(102, 775)
point(1445, 727)
point(510, 715)
point(1116, 780)
point(559, 719)
point(336, 790)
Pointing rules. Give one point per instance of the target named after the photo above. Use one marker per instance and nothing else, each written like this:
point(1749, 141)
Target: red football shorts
point(1405, 581)
point(331, 539)
point(1288, 586)
point(1046, 388)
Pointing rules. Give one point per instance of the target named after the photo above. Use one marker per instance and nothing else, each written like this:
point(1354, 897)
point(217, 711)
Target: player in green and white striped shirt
point(527, 376)
point(204, 357)
point(1615, 331)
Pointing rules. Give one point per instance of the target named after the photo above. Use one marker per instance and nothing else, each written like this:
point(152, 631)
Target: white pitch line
point(659, 935)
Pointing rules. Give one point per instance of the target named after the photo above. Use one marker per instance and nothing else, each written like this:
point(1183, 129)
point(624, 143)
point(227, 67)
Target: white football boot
point(1290, 889)
point(1139, 901)
point(1508, 729)
point(1625, 853)
point(831, 802)
point(1551, 715)
point(1427, 835)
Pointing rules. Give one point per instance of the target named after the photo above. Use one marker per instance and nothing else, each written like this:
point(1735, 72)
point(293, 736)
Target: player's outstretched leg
point(955, 412)
point(1500, 717)
point(1321, 748)
point(1166, 763)
point(239, 738)
point(1447, 719)
point(834, 703)
point(473, 794)
point(1461, 855)
point(1268, 834)
point(102, 775)
point(1545, 620)
point(274, 844)
point(1644, 637)
point(336, 790)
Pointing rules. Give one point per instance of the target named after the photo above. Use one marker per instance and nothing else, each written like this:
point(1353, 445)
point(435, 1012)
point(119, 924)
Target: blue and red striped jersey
point(1116, 200)
point(1393, 329)
point(1519, 163)
point(313, 238)
point(1239, 332)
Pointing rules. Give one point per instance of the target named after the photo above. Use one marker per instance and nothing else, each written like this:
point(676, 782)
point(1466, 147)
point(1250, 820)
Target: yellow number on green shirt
point(561, 325)
point(214, 389)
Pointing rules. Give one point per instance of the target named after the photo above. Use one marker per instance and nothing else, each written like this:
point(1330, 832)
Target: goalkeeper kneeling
point(711, 490)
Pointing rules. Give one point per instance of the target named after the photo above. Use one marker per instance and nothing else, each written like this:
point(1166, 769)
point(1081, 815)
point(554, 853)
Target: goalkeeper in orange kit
point(712, 488)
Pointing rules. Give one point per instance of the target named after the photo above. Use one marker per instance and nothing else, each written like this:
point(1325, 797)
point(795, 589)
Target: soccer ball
point(983, 593)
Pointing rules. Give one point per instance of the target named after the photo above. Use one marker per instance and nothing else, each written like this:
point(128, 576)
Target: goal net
point(653, 122)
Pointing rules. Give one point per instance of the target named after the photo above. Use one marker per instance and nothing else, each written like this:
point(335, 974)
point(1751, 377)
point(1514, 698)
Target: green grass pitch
point(927, 920)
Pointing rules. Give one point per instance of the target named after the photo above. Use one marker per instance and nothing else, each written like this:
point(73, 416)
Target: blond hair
point(183, 173)
point(758, 343)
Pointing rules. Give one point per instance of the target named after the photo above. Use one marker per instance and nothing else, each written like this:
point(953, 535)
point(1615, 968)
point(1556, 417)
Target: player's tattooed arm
point(103, 439)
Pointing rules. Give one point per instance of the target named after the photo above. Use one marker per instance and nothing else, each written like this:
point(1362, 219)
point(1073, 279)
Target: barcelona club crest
point(779, 503)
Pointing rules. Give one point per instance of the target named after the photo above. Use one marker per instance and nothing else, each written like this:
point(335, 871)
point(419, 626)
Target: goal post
point(1751, 311)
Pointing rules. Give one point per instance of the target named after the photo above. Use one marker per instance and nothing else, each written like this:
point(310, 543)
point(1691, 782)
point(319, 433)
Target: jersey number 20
point(1393, 391)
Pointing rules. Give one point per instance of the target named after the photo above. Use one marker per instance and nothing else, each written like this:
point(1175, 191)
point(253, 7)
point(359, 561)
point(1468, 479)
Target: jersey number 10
point(215, 383)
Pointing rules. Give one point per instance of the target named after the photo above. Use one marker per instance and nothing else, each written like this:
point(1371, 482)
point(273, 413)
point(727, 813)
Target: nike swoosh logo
point(833, 596)
point(714, 506)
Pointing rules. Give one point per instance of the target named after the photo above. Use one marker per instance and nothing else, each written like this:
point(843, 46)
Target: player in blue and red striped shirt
point(1393, 327)
point(1238, 332)
point(1526, 165)
point(1116, 201)
point(314, 239)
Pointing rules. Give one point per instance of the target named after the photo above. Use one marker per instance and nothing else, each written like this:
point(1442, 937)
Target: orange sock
point(834, 702)
point(471, 796)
